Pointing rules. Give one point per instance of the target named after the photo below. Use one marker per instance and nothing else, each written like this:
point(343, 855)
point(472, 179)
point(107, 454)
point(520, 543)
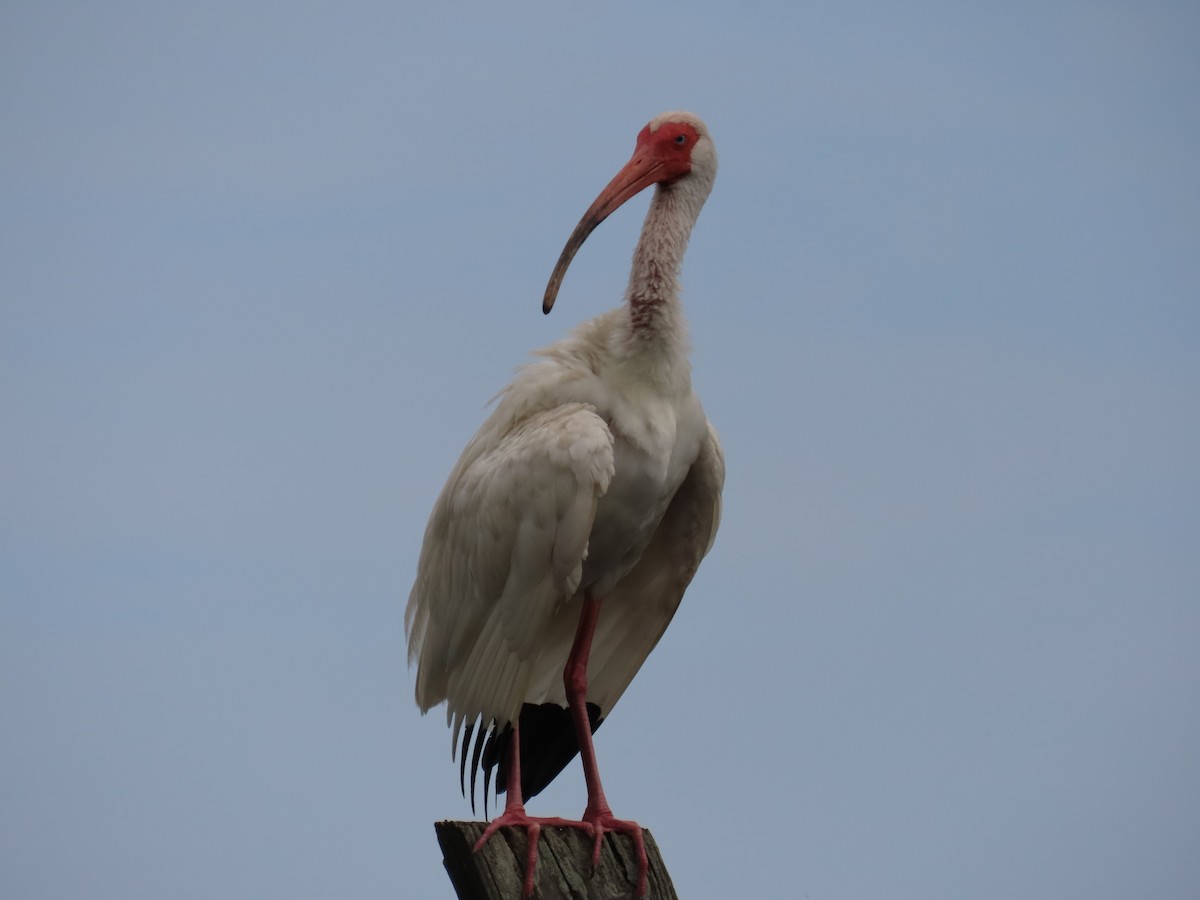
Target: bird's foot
point(595, 823)
point(598, 821)
point(516, 817)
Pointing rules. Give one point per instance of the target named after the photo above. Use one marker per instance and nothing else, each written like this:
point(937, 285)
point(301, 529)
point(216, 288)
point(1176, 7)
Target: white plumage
point(507, 547)
point(596, 475)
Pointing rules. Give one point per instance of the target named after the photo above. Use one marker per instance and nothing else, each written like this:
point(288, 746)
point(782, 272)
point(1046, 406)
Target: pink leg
point(598, 814)
point(598, 817)
point(514, 815)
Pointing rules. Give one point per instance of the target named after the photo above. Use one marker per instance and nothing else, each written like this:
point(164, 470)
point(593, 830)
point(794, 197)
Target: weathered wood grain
point(564, 869)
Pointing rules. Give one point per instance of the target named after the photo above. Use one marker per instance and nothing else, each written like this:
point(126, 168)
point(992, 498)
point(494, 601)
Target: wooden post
point(564, 869)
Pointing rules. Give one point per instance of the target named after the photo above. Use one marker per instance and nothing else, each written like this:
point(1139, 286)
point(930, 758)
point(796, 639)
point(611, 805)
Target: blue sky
point(261, 269)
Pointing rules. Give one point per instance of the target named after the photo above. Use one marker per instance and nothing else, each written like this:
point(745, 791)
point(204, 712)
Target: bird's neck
point(655, 312)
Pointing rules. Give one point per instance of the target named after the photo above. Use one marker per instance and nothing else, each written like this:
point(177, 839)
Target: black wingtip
point(487, 783)
point(475, 769)
point(462, 759)
point(548, 744)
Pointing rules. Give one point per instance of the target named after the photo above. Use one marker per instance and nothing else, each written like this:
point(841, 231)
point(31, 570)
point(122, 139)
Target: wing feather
point(503, 550)
point(639, 609)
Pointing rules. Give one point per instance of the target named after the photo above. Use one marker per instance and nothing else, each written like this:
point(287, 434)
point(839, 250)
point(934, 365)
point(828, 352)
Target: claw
point(594, 824)
point(516, 818)
point(606, 822)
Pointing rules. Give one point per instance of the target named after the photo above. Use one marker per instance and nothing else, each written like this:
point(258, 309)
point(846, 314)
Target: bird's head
point(673, 149)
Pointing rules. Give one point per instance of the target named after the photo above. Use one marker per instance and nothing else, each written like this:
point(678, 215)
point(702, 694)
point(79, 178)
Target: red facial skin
point(662, 156)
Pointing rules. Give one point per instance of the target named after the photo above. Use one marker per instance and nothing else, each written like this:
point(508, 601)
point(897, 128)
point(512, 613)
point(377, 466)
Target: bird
point(565, 536)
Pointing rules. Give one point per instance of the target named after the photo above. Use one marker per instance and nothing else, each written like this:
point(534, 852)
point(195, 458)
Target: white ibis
point(563, 541)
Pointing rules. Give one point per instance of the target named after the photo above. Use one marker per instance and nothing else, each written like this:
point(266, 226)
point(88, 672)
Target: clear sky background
point(263, 265)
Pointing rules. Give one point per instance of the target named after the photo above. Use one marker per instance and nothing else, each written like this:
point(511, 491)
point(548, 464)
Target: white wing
point(636, 613)
point(503, 552)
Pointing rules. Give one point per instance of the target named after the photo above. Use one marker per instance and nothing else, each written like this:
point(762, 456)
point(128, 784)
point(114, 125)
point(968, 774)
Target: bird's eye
point(680, 139)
